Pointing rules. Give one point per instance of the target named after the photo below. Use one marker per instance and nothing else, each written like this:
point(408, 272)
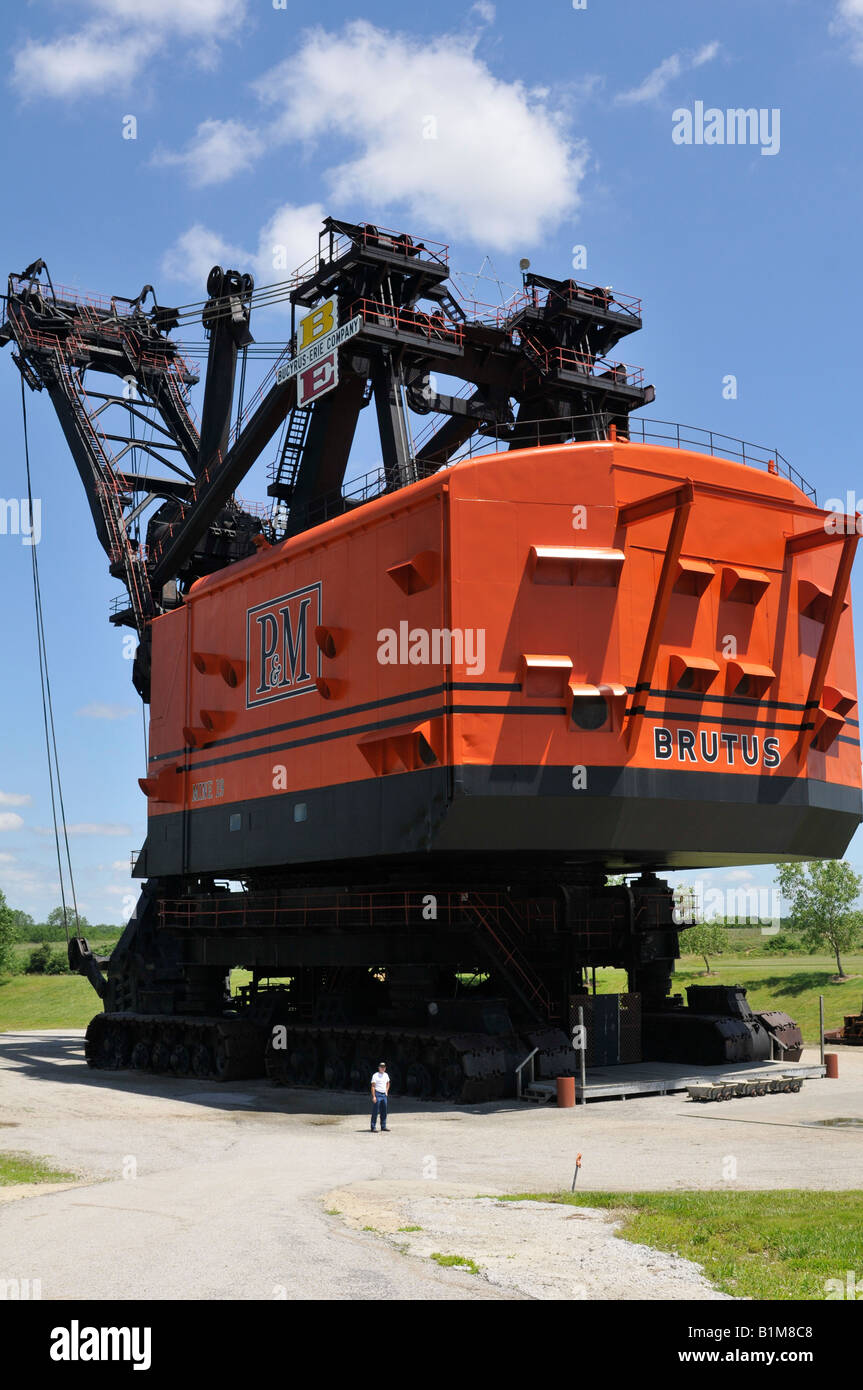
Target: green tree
point(821, 895)
point(58, 917)
point(7, 934)
point(705, 939)
point(21, 921)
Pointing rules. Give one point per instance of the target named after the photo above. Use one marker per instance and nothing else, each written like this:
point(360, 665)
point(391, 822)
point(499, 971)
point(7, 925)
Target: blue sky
point(551, 127)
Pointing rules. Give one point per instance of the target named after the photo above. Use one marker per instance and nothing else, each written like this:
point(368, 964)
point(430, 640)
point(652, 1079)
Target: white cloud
point(484, 10)
point(98, 711)
point(15, 799)
point(217, 151)
point(201, 18)
point(706, 53)
point(739, 875)
point(88, 828)
point(288, 239)
point(438, 139)
point(9, 820)
point(91, 828)
point(655, 83)
point(7, 858)
point(121, 865)
point(194, 254)
point(30, 877)
point(847, 23)
point(30, 886)
point(112, 47)
point(93, 60)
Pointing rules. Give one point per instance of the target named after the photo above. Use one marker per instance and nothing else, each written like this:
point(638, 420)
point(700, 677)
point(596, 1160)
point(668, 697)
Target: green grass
point(244, 977)
point(456, 1262)
point(410, 1228)
point(790, 983)
point(774, 1245)
point(18, 1168)
point(55, 1001)
point(46, 1001)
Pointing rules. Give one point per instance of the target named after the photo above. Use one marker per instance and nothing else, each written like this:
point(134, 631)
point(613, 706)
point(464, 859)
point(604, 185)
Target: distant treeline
point(53, 929)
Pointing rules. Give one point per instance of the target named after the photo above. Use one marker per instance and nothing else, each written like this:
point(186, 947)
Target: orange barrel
point(566, 1091)
point(831, 1060)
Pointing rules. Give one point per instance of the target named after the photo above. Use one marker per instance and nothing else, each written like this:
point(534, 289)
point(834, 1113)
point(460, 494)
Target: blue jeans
point(379, 1107)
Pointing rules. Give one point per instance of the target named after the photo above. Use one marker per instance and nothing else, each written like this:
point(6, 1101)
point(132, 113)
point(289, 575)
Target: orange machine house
point(611, 653)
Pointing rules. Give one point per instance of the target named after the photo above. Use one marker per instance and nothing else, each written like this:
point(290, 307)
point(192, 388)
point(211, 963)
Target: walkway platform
point(664, 1078)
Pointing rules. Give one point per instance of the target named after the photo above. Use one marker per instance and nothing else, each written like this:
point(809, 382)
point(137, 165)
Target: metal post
point(821, 1025)
point(583, 1056)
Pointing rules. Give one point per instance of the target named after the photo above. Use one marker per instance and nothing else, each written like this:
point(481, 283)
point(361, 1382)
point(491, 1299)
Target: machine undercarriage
point(453, 987)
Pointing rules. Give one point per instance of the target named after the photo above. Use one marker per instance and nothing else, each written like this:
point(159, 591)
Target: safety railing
point(528, 1061)
point(492, 438)
point(68, 294)
point(537, 297)
point(399, 242)
point(560, 359)
point(434, 327)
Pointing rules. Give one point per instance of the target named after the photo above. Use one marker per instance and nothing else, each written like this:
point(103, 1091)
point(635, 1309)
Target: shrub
point(782, 944)
point(44, 961)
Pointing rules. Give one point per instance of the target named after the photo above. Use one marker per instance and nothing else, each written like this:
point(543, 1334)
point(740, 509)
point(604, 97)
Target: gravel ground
point(537, 1250)
point(196, 1191)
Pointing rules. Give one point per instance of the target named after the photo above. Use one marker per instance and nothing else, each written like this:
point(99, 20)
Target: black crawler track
point(461, 1067)
point(221, 1049)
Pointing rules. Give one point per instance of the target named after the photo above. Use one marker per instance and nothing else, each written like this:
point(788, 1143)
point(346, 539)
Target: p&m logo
point(282, 657)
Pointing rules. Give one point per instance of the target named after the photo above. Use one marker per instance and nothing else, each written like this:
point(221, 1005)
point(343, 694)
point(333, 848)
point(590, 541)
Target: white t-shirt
point(379, 1081)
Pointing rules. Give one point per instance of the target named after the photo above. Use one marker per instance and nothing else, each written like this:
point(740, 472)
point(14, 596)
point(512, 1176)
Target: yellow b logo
point(317, 323)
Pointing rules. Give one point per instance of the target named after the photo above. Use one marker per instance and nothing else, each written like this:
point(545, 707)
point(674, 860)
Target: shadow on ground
point(59, 1058)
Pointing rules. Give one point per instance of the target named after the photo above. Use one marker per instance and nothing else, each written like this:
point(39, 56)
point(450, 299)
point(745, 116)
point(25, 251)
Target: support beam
point(820, 536)
point(214, 490)
point(681, 500)
point(326, 452)
point(399, 465)
point(219, 387)
point(828, 640)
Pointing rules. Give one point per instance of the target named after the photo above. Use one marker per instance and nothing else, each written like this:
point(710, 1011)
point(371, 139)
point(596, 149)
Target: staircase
point(285, 471)
point(502, 934)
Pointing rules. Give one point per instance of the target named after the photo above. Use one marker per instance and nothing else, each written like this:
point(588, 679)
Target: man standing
point(380, 1091)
